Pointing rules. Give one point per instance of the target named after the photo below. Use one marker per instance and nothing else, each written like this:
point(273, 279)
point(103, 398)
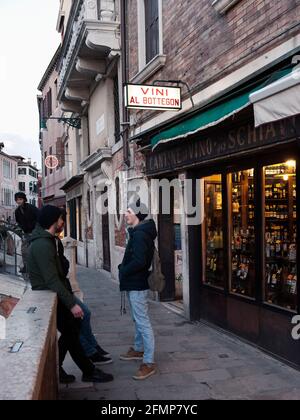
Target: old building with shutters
point(8, 184)
point(89, 86)
point(52, 136)
point(27, 175)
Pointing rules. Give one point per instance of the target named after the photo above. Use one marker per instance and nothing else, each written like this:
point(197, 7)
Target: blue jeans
point(87, 338)
point(144, 336)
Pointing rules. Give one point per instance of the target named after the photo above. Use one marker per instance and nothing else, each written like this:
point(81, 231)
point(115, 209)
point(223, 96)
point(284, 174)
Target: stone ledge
point(30, 374)
point(150, 69)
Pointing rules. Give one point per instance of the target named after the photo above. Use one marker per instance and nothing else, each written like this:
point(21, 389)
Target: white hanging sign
point(162, 98)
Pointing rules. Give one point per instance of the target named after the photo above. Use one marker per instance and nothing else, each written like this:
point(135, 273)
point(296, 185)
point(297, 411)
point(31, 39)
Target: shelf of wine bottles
point(281, 235)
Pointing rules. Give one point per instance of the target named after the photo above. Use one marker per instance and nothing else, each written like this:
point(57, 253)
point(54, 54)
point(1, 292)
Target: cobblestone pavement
point(195, 362)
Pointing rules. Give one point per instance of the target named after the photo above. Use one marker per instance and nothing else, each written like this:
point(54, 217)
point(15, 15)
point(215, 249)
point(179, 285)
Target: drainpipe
point(125, 77)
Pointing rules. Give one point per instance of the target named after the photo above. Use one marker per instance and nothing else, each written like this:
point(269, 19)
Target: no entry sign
point(51, 162)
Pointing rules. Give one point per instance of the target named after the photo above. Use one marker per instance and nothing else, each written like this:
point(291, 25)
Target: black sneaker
point(98, 359)
point(102, 352)
point(97, 377)
point(64, 378)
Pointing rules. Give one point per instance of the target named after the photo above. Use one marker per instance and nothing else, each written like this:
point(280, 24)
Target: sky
point(28, 41)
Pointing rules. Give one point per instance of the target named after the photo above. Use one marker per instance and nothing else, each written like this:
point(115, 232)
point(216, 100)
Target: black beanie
point(48, 215)
point(20, 195)
point(140, 210)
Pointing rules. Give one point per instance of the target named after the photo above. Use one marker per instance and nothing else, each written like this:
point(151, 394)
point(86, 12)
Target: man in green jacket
point(46, 273)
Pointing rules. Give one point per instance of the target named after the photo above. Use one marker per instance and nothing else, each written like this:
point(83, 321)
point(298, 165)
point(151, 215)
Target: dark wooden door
point(73, 217)
point(166, 242)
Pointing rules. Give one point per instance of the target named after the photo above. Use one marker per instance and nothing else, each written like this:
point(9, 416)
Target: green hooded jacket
point(44, 267)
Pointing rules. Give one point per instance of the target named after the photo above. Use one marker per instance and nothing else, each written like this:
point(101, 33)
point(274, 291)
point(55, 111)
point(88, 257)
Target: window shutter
point(60, 152)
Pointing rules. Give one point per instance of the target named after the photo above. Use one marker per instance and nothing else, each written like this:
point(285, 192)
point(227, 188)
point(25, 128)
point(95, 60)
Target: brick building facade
point(223, 51)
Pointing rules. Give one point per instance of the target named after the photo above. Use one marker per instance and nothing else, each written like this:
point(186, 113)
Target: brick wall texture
point(203, 46)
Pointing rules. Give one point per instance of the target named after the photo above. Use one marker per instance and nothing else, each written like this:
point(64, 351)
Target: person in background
point(26, 217)
point(46, 273)
point(133, 274)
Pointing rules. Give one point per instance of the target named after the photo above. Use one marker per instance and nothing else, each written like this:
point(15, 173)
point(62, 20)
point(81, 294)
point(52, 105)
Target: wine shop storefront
point(243, 258)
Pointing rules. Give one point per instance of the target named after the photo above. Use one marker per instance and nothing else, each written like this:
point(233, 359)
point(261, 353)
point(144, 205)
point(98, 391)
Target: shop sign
point(161, 98)
point(221, 144)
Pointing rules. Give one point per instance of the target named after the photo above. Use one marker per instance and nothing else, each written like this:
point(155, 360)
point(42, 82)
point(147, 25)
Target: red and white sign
point(51, 162)
point(153, 97)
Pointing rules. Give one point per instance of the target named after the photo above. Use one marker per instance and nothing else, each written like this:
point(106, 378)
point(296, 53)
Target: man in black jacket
point(134, 273)
point(26, 216)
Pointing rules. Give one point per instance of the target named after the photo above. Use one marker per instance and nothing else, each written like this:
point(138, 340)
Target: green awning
point(214, 115)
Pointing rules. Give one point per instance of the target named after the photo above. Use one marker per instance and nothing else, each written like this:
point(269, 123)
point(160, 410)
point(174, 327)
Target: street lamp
point(72, 122)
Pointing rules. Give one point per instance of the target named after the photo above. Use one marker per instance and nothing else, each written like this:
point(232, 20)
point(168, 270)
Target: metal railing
point(10, 248)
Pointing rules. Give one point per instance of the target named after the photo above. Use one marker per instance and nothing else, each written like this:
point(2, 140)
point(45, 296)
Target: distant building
point(8, 184)
point(28, 179)
point(52, 137)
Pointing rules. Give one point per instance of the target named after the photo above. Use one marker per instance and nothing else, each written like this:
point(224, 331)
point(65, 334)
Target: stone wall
point(30, 373)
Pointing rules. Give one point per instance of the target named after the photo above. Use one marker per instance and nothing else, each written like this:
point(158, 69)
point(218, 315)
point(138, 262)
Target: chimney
point(1, 146)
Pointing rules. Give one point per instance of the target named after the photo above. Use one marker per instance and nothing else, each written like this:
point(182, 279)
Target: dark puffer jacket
point(134, 270)
point(45, 268)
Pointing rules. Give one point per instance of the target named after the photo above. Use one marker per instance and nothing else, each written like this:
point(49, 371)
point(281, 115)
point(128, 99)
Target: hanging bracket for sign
point(161, 98)
point(178, 82)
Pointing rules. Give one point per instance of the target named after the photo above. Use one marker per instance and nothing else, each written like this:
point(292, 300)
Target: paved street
point(195, 361)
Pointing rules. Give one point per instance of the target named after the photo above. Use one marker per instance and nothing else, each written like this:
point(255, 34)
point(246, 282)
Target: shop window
point(242, 233)
point(280, 235)
point(213, 246)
